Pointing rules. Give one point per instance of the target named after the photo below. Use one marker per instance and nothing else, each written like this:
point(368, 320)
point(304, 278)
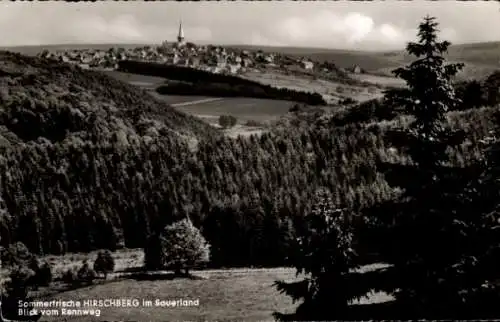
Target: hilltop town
point(215, 59)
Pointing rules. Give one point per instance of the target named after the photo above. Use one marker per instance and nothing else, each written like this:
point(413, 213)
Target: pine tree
point(326, 257)
point(432, 231)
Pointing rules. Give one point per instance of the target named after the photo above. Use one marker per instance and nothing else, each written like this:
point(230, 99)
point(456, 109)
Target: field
point(224, 295)
point(146, 82)
point(232, 295)
point(260, 111)
point(244, 109)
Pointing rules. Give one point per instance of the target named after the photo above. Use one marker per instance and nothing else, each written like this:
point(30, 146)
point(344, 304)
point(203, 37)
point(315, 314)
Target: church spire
point(180, 36)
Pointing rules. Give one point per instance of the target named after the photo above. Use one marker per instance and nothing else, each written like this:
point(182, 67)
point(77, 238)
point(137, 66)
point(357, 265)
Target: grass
point(232, 295)
point(223, 295)
point(148, 82)
point(244, 109)
point(240, 294)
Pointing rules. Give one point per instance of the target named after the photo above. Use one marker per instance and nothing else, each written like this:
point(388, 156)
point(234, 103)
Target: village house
point(246, 62)
point(233, 68)
point(194, 62)
point(221, 62)
point(269, 58)
point(308, 65)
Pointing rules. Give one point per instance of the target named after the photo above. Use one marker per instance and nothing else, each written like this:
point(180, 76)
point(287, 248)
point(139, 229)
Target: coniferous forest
point(90, 163)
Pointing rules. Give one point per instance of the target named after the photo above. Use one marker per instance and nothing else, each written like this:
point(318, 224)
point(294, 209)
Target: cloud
point(79, 25)
point(328, 29)
point(326, 24)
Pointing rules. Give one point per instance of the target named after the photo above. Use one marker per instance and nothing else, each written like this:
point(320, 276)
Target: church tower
point(180, 36)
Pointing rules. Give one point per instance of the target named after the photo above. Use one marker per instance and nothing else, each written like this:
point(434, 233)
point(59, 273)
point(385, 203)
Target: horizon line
point(239, 45)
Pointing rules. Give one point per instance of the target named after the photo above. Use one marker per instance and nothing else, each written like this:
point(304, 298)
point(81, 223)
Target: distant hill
point(481, 59)
point(45, 99)
point(33, 50)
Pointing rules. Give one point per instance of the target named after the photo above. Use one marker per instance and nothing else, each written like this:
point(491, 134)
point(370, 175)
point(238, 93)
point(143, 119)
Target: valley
point(95, 159)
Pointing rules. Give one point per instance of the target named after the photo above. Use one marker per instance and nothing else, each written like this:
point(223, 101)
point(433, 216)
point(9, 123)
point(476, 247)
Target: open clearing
point(239, 294)
point(232, 295)
point(146, 82)
point(224, 295)
point(244, 109)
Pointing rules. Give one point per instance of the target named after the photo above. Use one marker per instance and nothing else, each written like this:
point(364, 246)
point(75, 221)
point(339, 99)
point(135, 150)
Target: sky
point(377, 25)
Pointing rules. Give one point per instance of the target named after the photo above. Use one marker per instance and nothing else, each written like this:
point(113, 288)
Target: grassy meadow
point(235, 294)
point(232, 295)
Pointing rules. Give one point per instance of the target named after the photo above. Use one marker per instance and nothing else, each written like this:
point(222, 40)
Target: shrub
point(347, 101)
point(16, 289)
point(227, 121)
point(44, 275)
point(253, 123)
point(15, 254)
point(179, 246)
point(104, 263)
point(85, 275)
point(69, 276)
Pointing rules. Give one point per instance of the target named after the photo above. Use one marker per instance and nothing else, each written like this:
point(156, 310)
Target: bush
point(227, 121)
point(85, 275)
point(16, 289)
point(298, 108)
point(69, 276)
point(253, 123)
point(104, 263)
point(15, 254)
point(347, 101)
point(179, 246)
point(44, 275)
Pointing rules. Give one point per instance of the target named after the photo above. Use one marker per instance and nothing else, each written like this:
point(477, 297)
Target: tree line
point(241, 90)
point(198, 82)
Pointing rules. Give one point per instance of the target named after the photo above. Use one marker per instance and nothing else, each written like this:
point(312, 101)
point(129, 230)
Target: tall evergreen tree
point(326, 257)
point(434, 234)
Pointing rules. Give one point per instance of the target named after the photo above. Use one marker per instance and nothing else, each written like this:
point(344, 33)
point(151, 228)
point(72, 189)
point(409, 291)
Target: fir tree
point(326, 257)
point(433, 233)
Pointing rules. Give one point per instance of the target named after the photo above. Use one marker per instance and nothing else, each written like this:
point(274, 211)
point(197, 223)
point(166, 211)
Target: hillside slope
point(40, 98)
point(481, 58)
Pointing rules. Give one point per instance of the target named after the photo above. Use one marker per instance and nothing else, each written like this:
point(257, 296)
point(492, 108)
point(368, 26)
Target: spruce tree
point(433, 232)
point(326, 257)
